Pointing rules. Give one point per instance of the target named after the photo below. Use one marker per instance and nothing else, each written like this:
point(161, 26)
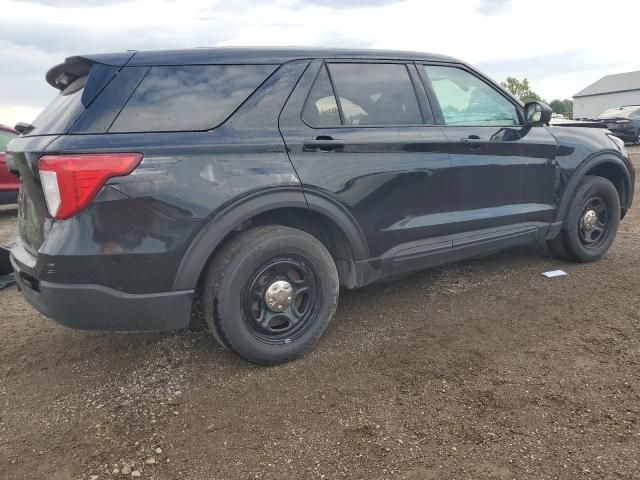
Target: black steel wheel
point(281, 299)
point(270, 294)
point(591, 222)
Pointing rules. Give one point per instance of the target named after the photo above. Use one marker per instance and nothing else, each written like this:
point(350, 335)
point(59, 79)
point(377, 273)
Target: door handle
point(473, 141)
point(323, 144)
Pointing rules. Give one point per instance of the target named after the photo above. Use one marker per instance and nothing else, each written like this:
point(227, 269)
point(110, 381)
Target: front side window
point(467, 100)
point(189, 97)
point(369, 94)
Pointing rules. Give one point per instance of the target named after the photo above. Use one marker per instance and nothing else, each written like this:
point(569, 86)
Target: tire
point(557, 247)
point(637, 140)
point(585, 238)
point(284, 266)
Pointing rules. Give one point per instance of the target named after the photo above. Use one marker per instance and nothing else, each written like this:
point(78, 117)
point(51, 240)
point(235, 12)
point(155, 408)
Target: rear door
point(363, 134)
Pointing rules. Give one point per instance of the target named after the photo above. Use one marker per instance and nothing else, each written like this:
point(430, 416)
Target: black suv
point(624, 122)
point(256, 182)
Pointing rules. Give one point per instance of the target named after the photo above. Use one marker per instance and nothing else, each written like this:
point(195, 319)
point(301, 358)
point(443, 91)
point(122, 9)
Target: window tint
point(58, 117)
point(321, 109)
point(375, 94)
point(467, 100)
point(5, 138)
point(189, 97)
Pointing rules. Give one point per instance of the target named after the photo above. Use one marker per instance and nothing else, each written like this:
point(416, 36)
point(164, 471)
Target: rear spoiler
point(64, 74)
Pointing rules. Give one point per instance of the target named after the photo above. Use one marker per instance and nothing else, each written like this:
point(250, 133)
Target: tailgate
point(80, 81)
point(33, 217)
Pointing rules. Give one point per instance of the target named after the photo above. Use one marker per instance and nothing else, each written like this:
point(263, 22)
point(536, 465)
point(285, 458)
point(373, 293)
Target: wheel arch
point(311, 213)
point(605, 165)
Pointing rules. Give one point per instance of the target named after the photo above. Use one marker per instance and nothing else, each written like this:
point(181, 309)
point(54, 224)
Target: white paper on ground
point(554, 273)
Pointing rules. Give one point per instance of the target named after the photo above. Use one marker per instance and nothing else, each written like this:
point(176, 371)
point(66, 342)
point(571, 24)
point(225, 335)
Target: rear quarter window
point(189, 97)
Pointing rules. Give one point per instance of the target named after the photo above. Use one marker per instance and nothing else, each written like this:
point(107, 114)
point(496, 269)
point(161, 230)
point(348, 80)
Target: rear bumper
point(96, 307)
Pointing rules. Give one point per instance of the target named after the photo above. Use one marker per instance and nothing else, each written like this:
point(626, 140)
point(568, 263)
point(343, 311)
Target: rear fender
point(233, 216)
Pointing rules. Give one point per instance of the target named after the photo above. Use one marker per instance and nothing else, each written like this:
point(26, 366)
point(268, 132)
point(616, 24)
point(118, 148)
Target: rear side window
point(5, 138)
point(375, 94)
point(189, 97)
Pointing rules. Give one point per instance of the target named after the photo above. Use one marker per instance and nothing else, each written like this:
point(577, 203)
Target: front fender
point(608, 157)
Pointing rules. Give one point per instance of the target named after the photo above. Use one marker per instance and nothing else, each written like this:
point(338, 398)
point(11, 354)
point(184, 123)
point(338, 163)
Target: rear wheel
point(591, 223)
point(270, 294)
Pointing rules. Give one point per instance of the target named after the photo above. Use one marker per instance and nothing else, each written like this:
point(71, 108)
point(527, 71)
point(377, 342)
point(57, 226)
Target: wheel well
point(321, 227)
point(314, 223)
point(615, 175)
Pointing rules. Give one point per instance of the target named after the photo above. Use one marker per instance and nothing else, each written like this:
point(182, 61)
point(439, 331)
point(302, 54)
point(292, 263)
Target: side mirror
point(537, 113)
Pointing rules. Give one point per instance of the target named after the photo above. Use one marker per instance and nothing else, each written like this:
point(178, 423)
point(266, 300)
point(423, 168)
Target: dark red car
point(9, 183)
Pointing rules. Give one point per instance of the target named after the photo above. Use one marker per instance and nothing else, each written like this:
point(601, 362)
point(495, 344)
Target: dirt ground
point(478, 370)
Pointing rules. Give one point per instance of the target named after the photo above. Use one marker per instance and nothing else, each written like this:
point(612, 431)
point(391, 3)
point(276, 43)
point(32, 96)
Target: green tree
point(521, 89)
point(565, 107)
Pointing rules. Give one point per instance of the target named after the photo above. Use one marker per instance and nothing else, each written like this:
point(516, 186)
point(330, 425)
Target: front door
point(492, 153)
point(362, 133)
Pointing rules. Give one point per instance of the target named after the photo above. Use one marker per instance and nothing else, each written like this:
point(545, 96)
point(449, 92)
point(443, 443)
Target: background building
point(609, 92)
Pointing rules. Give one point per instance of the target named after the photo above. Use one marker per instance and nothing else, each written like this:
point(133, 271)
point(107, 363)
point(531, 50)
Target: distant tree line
point(522, 90)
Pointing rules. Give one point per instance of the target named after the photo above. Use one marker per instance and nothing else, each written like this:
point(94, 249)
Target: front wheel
point(270, 294)
point(591, 223)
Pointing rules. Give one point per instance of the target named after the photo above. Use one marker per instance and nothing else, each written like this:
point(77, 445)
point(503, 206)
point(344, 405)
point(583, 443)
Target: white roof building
point(610, 91)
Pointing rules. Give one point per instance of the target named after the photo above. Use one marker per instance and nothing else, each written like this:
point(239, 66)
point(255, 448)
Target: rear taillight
point(70, 182)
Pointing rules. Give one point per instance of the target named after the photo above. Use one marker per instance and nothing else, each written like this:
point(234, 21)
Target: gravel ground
point(478, 370)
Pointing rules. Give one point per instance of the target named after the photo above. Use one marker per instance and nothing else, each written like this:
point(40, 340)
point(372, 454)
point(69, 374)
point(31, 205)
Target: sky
point(560, 46)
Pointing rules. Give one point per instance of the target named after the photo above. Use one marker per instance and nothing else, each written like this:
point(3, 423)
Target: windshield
point(622, 112)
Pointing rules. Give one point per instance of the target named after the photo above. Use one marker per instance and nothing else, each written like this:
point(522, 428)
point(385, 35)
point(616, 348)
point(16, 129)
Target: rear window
point(59, 115)
point(5, 138)
point(189, 97)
